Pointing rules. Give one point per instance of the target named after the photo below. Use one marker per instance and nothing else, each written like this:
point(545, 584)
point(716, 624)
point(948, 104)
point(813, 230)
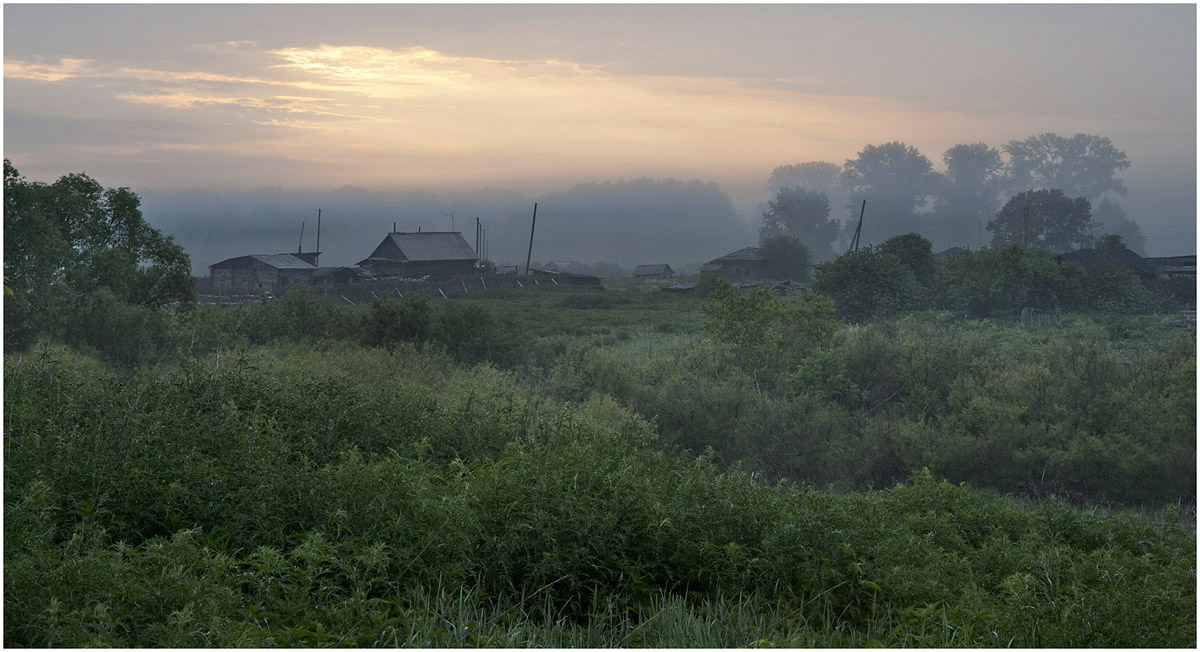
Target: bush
point(867, 285)
point(391, 321)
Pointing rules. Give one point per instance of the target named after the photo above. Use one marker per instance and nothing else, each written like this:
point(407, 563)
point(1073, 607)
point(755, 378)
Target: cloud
point(50, 72)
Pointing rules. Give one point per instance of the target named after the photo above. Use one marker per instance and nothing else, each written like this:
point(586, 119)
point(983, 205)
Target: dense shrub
point(868, 284)
point(353, 498)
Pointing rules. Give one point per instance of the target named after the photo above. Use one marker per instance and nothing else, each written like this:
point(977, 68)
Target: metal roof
point(650, 269)
point(433, 245)
point(278, 261)
point(1094, 260)
point(745, 253)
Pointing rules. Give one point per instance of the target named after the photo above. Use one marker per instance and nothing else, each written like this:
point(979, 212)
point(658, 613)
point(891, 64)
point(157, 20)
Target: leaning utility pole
point(858, 231)
point(531, 228)
point(300, 249)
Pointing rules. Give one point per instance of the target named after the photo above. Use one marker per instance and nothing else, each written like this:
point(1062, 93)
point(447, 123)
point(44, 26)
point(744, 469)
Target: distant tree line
point(1052, 191)
point(902, 274)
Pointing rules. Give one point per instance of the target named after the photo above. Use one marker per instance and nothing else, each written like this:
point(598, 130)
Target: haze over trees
point(904, 194)
point(804, 215)
point(896, 180)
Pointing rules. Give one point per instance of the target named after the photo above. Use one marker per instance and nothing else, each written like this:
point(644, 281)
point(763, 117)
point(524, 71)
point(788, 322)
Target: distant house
point(943, 256)
point(262, 271)
point(438, 254)
point(1173, 266)
point(1094, 261)
point(653, 271)
point(746, 263)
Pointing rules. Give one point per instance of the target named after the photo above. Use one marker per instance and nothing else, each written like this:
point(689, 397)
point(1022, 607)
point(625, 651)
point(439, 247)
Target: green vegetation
point(359, 497)
point(565, 466)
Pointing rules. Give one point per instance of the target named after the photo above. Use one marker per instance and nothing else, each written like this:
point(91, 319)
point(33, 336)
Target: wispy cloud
point(50, 72)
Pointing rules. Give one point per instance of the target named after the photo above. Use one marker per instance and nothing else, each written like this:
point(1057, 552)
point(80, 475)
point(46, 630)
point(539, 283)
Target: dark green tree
point(804, 215)
point(867, 285)
point(786, 257)
point(915, 252)
point(1054, 221)
point(65, 240)
point(1081, 166)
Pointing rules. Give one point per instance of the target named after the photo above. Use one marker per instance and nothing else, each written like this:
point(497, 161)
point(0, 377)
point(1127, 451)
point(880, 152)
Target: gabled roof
point(745, 253)
point(431, 245)
point(278, 261)
point(652, 269)
point(1094, 260)
point(943, 256)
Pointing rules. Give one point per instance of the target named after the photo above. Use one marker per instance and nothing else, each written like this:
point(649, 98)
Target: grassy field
point(602, 467)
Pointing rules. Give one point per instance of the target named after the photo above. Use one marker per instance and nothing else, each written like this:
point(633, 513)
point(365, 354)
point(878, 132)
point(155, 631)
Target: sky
point(535, 98)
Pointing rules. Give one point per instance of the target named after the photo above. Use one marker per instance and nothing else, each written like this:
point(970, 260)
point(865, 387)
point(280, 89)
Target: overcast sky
point(536, 97)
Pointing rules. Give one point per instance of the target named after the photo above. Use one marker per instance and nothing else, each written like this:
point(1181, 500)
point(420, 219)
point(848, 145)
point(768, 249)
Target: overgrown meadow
point(619, 467)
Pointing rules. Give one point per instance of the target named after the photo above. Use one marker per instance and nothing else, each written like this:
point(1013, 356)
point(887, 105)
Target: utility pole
point(532, 226)
point(1025, 229)
point(858, 230)
point(300, 249)
point(478, 253)
point(318, 235)
point(451, 216)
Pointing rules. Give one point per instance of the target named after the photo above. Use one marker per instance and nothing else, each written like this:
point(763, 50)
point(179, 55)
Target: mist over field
point(847, 326)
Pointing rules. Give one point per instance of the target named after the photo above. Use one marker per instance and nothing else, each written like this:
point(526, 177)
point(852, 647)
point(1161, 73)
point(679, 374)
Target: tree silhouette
point(1081, 166)
point(804, 215)
point(895, 179)
point(1055, 221)
point(971, 194)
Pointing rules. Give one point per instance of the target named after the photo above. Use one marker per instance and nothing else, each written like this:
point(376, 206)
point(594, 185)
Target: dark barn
point(653, 271)
point(261, 272)
point(438, 254)
point(745, 263)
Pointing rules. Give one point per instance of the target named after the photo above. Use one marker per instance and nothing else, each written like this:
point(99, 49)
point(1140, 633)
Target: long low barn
point(262, 271)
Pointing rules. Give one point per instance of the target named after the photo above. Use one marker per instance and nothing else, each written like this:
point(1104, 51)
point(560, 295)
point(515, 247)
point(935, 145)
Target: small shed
point(745, 263)
point(261, 272)
point(440, 254)
point(653, 271)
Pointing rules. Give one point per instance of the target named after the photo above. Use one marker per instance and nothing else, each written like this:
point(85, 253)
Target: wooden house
point(275, 272)
point(1094, 261)
point(645, 272)
point(437, 254)
point(745, 263)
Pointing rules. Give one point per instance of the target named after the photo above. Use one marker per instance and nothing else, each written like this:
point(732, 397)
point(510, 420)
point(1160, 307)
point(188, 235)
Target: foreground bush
point(358, 498)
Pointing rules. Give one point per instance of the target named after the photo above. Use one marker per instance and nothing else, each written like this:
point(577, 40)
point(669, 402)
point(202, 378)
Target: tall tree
point(814, 175)
point(896, 180)
point(804, 215)
point(1110, 219)
point(1081, 166)
point(1054, 221)
point(68, 239)
point(971, 194)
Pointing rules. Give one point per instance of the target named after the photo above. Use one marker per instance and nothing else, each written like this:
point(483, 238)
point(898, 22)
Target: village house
point(275, 272)
point(438, 254)
point(746, 263)
point(645, 272)
point(1094, 261)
